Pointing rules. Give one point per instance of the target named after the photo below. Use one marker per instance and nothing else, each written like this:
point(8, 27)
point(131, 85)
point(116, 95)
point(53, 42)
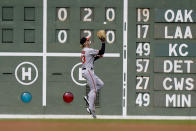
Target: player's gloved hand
point(101, 35)
point(102, 39)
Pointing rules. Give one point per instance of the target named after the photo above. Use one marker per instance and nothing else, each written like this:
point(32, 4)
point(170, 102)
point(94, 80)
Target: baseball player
point(88, 56)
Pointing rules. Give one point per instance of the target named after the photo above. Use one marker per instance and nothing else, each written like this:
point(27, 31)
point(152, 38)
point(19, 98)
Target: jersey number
point(83, 59)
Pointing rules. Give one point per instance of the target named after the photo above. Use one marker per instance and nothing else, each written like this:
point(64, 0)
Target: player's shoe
point(91, 113)
point(86, 99)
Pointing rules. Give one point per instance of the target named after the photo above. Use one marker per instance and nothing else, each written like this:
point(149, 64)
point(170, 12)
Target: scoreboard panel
point(21, 26)
point(14, 82)
point(66, 17)
point(148, 69)
point(59, 81)
point(68, 21)
point(40, 76)
point(164, 43)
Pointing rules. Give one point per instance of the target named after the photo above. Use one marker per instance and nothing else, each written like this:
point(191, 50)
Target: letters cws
point(178, 49)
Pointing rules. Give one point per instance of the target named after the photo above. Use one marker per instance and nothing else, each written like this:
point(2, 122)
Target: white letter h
point(28, 73)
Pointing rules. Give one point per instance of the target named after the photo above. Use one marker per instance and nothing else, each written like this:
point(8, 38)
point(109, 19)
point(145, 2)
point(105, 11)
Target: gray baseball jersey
point(94, 82)
point(87, 57)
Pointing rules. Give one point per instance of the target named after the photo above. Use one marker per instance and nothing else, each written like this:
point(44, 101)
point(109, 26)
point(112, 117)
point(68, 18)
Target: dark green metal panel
point(21, 30)
point(16, 18)
point(174, 15)
point(74, 23)
point(175, 49)
point(60, 81)
point(21, 25)
point(159, 51)
point(172, 65)
point(174, 100)
point(174, 31)
point(11, 89)
point(174, 82)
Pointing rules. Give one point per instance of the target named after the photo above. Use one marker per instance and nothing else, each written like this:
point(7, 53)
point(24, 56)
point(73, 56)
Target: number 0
point(62, 14)
point(62, 36)
point(110, 37)
point(110, 14)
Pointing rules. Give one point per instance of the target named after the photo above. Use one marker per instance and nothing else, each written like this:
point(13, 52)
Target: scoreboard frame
point(125, 60)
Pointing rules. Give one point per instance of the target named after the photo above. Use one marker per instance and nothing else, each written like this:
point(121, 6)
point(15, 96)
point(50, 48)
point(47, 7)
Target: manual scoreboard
point(148, 68)
point(165, 64)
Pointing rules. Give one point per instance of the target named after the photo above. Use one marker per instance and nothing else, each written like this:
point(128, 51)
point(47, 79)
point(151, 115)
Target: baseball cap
point(83, 40)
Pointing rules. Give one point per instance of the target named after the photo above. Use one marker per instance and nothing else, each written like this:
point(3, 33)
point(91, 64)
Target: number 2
point(87, 16)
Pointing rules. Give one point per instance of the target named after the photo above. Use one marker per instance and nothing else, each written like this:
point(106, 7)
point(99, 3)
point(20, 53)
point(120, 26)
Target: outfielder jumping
point(88, 56)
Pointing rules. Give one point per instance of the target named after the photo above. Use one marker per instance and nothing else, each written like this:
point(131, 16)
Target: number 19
point(143, 15)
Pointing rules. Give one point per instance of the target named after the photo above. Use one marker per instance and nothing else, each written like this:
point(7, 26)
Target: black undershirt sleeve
point(96, 57)
point(102, 51)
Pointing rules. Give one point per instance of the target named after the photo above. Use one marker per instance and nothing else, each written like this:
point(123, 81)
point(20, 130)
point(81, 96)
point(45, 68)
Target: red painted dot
point(68, 97)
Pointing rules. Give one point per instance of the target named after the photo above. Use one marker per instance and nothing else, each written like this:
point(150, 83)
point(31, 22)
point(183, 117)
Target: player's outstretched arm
point(97, 57)
point(102, 50)
point(102, 36)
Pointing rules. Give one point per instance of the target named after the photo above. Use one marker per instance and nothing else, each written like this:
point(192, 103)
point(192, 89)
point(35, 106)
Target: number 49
point(143, 99)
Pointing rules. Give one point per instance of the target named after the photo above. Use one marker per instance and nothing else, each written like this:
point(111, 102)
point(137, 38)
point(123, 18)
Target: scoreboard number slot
point(143, 99)
point(62, 14)
point(143, 15)
point(143, 49)
point(87, 33)
point(142, 83)
point(142, 65)
point(110, 36)
point(87, 14)
point(62, 36)
point(142, 31)
point(110, 14)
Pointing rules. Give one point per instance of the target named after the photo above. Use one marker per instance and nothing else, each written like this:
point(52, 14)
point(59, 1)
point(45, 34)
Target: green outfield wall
point(148, 68)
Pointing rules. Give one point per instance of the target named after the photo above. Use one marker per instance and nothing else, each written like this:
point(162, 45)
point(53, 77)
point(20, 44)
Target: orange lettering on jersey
point(83, 57)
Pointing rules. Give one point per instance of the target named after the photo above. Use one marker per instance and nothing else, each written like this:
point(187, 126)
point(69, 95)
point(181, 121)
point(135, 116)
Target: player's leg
point(99, 83)
point(92, 94)
point(91, 99)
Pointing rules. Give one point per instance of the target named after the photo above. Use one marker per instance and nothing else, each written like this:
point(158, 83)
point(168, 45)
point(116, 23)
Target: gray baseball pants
point(95, 84)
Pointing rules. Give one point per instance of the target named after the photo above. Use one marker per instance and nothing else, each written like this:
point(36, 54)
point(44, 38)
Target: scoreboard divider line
point(124, 86)
point(21, 54)
point(44, 81)
point(52, 54)
point(79, 54)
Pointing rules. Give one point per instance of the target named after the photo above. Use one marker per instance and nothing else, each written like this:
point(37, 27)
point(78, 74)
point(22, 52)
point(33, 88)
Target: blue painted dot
point(26, 97)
